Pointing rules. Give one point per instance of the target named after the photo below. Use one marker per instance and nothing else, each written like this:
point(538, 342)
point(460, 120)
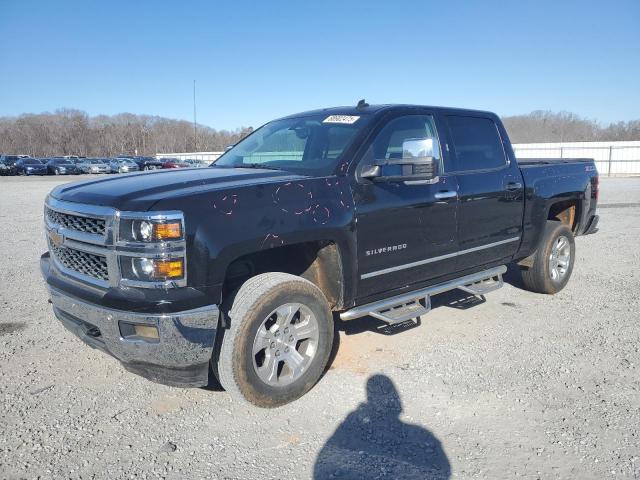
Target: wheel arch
point(566, 210)
point(319, 261)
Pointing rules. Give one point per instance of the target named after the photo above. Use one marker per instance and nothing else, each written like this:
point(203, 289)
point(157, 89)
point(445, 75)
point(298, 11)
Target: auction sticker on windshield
point(349, 119)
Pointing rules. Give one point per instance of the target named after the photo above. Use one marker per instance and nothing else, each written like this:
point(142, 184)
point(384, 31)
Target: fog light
point(146, 331)
point(132, 331)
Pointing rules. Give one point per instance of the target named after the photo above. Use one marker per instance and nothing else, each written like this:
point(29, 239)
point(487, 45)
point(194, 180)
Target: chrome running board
point(417, 303)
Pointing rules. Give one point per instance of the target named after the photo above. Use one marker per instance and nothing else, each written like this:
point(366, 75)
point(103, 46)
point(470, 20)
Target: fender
point(225, 225)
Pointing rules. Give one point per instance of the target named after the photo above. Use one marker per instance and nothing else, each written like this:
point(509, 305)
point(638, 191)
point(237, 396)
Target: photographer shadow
point(372, 442)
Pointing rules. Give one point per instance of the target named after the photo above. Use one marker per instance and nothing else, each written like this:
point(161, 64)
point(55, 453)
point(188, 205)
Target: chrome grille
point(82, 262)
point(95, 226)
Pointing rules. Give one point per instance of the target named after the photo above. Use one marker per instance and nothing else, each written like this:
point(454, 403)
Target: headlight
point(152, 249)
point(151, 230)
point(150, 269)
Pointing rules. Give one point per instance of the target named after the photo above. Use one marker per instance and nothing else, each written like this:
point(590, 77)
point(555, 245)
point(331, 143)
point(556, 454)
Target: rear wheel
point(553, 261)
point(278, 342)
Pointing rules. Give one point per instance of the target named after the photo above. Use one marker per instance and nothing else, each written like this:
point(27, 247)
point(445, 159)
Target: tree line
point(73, 132)
point(546, 126)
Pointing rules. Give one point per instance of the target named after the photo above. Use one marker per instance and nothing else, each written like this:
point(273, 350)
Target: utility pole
point(195, 130)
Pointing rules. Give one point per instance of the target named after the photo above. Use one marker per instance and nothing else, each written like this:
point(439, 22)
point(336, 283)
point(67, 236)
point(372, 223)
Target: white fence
point(202, 156)
point(612, 158)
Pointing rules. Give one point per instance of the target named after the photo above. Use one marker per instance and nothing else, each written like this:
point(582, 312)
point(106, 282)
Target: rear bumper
point(181, 355)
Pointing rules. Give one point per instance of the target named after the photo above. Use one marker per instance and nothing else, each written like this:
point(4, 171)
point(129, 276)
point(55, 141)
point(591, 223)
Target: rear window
point(476, 142)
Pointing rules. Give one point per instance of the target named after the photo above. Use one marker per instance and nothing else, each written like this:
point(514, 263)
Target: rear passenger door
point(490, 188)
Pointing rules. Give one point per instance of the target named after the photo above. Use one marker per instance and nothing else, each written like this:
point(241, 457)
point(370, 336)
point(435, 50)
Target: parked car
point(195, 163)
point(146, 163)
point(61, 166)
point(93, 165)
point(174, 163)
point(8, 164)
point(123, 165)
point(368, 211)
point(30, 166)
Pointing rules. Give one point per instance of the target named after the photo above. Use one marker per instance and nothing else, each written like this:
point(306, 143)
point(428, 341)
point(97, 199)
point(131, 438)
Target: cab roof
point(383, 108)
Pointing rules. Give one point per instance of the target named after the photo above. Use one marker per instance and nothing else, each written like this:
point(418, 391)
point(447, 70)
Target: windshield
point(309, 145)
point(30, 161)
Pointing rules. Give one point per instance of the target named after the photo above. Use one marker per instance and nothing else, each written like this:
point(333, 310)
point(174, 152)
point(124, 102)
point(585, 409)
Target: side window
point(476, 142)
point(387, 145)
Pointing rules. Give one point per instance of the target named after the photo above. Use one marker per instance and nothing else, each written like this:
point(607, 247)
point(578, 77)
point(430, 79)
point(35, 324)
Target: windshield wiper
point(257, 165)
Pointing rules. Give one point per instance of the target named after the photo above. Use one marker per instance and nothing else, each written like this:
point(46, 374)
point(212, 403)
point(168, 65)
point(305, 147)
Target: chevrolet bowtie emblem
point(56, 238)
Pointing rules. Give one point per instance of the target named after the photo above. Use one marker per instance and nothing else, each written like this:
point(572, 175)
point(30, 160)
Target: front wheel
point(278, 341)
point(553, 261)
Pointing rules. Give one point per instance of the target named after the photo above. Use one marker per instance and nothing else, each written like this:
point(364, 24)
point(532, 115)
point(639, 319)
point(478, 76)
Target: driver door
point(405, 229)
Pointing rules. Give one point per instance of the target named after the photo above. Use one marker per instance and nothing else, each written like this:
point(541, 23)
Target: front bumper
point(592, 226)
point(179, 358)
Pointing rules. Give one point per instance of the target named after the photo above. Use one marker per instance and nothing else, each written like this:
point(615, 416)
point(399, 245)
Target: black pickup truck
point(240, 269)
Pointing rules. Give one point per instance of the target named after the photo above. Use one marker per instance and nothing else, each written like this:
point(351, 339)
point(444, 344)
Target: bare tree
point(73, 132)
point(545, 126)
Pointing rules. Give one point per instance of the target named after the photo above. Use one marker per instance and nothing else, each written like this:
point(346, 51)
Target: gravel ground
point(519, 386)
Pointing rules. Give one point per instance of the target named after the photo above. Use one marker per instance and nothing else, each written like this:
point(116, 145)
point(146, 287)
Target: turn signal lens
point(167, 231)
point(168, 268)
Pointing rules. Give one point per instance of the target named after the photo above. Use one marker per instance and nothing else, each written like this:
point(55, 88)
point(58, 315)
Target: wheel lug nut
point(277, 333)
point(291, 338)
point(286, 330)
point(286, 349)
point(273, 345)
point(277, 353)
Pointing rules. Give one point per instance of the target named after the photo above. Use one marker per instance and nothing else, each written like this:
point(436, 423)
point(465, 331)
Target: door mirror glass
point(417, 148)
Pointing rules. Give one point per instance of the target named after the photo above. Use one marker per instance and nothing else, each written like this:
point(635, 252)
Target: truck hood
point(139, 191)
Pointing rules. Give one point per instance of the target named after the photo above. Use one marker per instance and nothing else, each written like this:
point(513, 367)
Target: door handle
point(446, 194)
point(511, 186)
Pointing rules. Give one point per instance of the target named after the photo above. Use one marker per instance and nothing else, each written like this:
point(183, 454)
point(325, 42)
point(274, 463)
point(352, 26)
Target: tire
point(541, 277)
point(257, 307)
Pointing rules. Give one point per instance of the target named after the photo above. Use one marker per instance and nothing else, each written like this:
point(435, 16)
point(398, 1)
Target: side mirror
point(419, 163)
point(229, 147)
